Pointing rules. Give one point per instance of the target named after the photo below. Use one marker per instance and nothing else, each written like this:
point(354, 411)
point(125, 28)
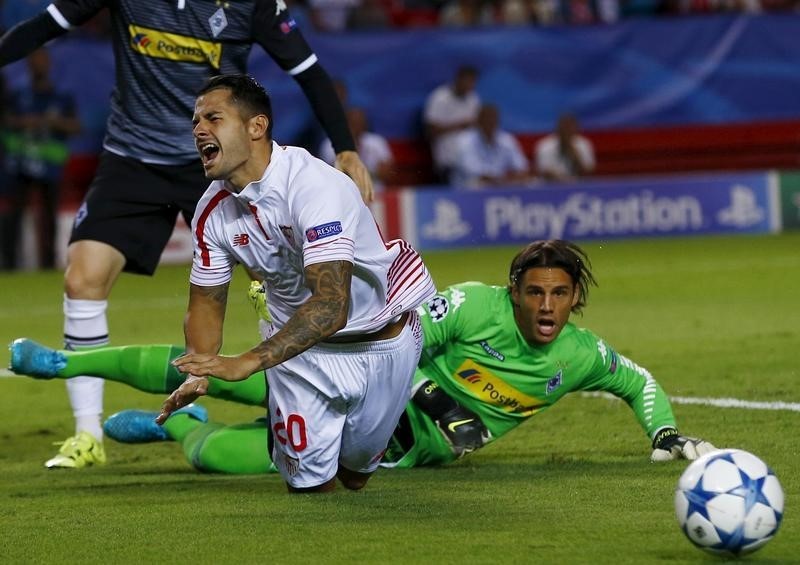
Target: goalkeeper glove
point(463, 430)
point(669, 445)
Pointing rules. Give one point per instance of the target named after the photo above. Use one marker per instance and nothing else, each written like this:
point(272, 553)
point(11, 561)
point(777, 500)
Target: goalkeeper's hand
point(669, 445)
point(463, 430)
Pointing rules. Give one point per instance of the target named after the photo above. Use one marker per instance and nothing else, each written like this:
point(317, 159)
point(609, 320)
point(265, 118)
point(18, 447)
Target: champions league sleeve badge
point(438, 306)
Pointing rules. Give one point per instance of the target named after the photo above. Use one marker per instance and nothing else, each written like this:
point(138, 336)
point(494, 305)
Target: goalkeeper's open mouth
point(546, 327)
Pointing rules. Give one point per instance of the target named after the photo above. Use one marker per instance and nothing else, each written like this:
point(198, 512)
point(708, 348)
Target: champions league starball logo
point(438, 307)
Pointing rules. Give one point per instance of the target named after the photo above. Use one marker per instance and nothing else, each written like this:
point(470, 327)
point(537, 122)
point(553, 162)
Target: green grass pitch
point(709, 317)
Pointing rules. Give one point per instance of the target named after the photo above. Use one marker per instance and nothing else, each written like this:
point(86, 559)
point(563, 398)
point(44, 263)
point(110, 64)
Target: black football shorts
point(133, 206)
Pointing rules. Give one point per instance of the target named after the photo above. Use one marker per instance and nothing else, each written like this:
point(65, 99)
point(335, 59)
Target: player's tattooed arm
point(318, 318)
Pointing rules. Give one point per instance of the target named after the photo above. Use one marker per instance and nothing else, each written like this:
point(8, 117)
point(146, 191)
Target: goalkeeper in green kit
point(494, 356)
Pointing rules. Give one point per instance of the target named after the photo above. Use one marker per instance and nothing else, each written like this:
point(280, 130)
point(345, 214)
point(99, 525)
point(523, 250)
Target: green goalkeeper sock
point(148, 368)
point(237, 450)
point(180, 425)
point(144, 367)
point(252, 390)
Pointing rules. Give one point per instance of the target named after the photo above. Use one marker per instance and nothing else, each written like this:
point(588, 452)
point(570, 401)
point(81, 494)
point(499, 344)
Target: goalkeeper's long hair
point(558, 254)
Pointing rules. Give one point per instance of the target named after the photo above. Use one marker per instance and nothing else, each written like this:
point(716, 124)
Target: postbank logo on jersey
point(163, 45)
point(491, 389)
point(325, 230)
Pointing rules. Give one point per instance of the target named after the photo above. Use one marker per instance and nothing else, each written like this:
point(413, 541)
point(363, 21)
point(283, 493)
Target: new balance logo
point(241, 239)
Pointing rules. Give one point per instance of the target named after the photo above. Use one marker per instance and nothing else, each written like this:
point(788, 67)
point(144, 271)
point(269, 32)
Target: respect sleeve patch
point(324, 230)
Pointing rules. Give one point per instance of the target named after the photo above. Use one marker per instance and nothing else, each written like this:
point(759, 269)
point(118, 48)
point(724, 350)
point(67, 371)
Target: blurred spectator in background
point(565, 154)
point(544, 12)
point(331, 15)
point(449, 110)
point(709, 6)
point(40, 119)
point(373, 148)
point(580, 12)
point(487, 155)
point(516, 12)
point(642, 8)
point(371, 14)
point(466, 13)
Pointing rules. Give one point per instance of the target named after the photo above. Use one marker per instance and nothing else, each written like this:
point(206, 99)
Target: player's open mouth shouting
point(208, 153)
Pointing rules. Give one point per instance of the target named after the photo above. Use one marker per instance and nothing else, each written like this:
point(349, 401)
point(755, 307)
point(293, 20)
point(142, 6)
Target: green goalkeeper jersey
point(475, 352)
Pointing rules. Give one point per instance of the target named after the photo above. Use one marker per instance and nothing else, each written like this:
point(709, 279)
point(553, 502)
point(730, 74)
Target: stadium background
point(662, 100)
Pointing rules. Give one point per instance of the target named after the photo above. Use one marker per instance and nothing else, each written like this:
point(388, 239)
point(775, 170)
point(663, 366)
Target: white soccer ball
point(729, 502)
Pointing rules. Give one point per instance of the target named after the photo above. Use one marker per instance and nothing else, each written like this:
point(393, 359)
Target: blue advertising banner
point(645, 207)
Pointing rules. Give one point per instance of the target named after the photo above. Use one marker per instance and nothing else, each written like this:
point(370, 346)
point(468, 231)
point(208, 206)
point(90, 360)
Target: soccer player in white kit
point(345, 338)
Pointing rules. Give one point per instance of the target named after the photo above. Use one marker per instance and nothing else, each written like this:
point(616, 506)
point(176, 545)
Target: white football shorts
point(338, 404)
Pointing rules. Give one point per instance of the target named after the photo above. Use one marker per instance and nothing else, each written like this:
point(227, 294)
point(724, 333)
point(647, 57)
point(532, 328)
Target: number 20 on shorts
point(293, 432)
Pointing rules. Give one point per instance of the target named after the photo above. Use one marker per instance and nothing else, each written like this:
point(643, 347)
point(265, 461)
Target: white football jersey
point(303, 211)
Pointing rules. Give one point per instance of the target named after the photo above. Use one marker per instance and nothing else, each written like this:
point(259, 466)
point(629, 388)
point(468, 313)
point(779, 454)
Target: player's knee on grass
point(324, 487)
point(352, 480)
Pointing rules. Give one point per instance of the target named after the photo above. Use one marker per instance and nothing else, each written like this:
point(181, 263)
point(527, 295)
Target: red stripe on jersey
point(406, 255)
point(406, 265)
point(201, 225)
point(415, 270)
point(401, 263)
point(350, 243)
point(254, 210)
point(398, 259)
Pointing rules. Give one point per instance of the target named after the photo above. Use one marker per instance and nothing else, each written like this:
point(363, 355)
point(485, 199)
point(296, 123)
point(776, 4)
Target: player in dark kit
point(149, 169)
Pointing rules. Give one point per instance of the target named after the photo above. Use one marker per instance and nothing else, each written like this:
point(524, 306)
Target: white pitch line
point(718, 402)
point(737, 403)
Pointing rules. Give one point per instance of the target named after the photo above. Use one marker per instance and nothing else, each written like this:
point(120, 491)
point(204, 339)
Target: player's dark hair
point(246, 93)
point(559, 254)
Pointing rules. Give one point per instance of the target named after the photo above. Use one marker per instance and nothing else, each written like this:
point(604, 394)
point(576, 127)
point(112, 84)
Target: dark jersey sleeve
point(25, 37)
point(78, 12)
point(275, 30)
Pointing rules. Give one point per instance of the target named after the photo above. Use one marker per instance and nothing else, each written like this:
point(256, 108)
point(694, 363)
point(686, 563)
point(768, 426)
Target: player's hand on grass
point(189, 391)
point(669, 445)
point(350, 163)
